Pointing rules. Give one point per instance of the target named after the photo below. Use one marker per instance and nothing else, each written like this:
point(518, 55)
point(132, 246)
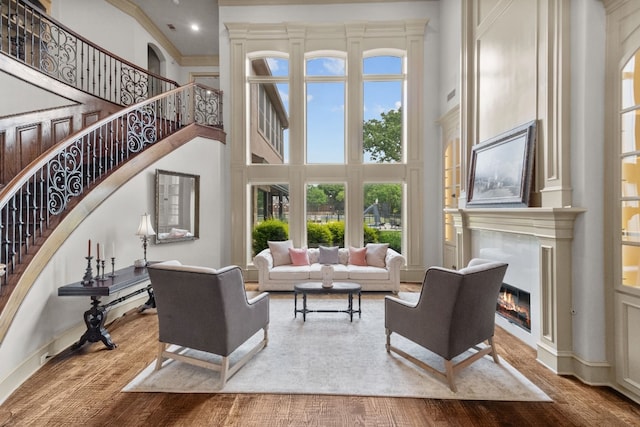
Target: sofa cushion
point(299, 256)
point(376, 254)
point(328, 255)
point(289, 272)
point(343, 256)
point(340, 272)
point(280, 252)
point(357, 272)
point(358, 256)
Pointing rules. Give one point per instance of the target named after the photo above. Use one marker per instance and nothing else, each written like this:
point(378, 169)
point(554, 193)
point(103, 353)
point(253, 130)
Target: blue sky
point(326, 102)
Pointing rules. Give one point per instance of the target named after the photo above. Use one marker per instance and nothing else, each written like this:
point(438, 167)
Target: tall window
point(325, 77)
point(325, 215)
point(270, 214)
point(630, 172)
point(383, 98)
point(383, 214)
point(347, 95)
point(269, 122)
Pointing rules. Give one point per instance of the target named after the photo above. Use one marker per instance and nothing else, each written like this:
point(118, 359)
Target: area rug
point(330, 355)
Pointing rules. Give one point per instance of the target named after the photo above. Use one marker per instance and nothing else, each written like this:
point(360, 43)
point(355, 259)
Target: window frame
point(297, 42)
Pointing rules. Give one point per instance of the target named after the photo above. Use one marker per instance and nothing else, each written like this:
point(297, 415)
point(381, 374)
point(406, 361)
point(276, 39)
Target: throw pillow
point(376, 253)
point(299, 256)
point(358, 256)
point(328, 255)
point(280, 252)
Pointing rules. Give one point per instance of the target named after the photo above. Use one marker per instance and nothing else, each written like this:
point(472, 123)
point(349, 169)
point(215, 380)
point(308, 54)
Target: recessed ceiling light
point(176, 1)
point(195, 27)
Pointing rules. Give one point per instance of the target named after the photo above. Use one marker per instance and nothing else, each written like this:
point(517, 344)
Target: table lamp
point(144, 231)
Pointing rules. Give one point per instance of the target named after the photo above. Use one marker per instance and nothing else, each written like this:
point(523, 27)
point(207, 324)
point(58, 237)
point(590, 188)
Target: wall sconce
point(145, 230)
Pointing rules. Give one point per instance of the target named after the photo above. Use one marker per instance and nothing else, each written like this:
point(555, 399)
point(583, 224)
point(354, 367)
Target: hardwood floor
point(83, 388)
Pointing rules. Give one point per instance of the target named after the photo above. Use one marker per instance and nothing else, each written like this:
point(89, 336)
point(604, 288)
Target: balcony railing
point(30, 36)
point(44, 190)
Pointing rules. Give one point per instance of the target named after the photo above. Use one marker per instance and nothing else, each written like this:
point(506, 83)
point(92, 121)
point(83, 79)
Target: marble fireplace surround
point(552, 232)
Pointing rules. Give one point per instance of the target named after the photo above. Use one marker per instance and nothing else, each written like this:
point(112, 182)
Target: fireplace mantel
point(540, 222)
point(553, 229)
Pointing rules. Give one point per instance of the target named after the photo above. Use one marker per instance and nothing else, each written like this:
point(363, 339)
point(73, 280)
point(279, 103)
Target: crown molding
point(136, 13)
point(611, 5)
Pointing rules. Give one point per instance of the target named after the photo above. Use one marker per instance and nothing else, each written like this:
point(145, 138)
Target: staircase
point(39, 196)
point(44, 53)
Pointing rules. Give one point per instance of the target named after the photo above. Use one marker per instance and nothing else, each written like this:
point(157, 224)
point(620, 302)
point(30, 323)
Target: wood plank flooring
point(82, 388)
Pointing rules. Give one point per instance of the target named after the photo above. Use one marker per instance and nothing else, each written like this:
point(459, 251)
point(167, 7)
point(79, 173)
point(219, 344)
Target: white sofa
point(283, 277)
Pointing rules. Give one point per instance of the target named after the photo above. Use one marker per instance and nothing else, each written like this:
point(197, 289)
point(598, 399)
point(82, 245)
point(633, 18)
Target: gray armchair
point(205, 309)
point(455, 312)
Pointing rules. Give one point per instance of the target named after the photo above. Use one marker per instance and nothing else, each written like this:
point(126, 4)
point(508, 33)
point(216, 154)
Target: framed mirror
point(177, 206)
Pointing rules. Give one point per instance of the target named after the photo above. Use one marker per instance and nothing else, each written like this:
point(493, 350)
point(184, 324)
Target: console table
point(95, 317)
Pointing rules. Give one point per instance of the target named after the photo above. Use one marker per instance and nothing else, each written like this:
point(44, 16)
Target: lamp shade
point(145, 228)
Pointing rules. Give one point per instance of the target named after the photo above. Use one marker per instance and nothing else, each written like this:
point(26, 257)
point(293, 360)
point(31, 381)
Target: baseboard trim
point(567, 363)
point(60, 343)
point(593, 373)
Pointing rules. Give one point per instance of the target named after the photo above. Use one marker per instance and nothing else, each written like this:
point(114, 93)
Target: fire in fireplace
point(514, 305)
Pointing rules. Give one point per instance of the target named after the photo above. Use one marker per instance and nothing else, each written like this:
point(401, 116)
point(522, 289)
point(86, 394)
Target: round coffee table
point(317, 288)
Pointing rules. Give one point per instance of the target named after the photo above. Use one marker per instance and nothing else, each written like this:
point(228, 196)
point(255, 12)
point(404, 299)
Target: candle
point(89, 250)
point(113, 250)
point(98, 254)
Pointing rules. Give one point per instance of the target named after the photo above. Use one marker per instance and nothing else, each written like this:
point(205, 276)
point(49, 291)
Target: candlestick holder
point(113, 266)
point(102, 277)
point(97, 268)
point(88, 274)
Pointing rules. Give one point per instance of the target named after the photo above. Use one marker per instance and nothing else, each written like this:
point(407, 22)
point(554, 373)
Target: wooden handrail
point(35, 200)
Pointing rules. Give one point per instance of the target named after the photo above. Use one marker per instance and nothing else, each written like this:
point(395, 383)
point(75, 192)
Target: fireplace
point(515, 305)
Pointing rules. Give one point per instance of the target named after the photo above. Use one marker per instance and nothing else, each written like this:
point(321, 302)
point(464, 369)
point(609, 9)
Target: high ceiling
point(174, 19)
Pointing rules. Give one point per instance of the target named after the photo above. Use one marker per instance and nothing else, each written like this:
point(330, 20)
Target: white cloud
point(274, 64)
point(335, 66)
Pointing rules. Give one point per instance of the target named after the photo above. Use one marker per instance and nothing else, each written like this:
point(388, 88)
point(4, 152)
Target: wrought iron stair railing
point(34, 201)
point(34, 38)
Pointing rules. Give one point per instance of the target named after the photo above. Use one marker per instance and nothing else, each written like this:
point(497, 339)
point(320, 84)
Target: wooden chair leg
point(161, 347)
point(224, 369)
point(448, 366)
point(494, 352)
point(266, 335)
point(387, 331)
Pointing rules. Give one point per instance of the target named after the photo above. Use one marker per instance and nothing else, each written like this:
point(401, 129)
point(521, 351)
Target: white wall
point(186, 71)
point(45, 317)
point(450, 34)
point(588, 24)
point(115, 31)
point(25, 97)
